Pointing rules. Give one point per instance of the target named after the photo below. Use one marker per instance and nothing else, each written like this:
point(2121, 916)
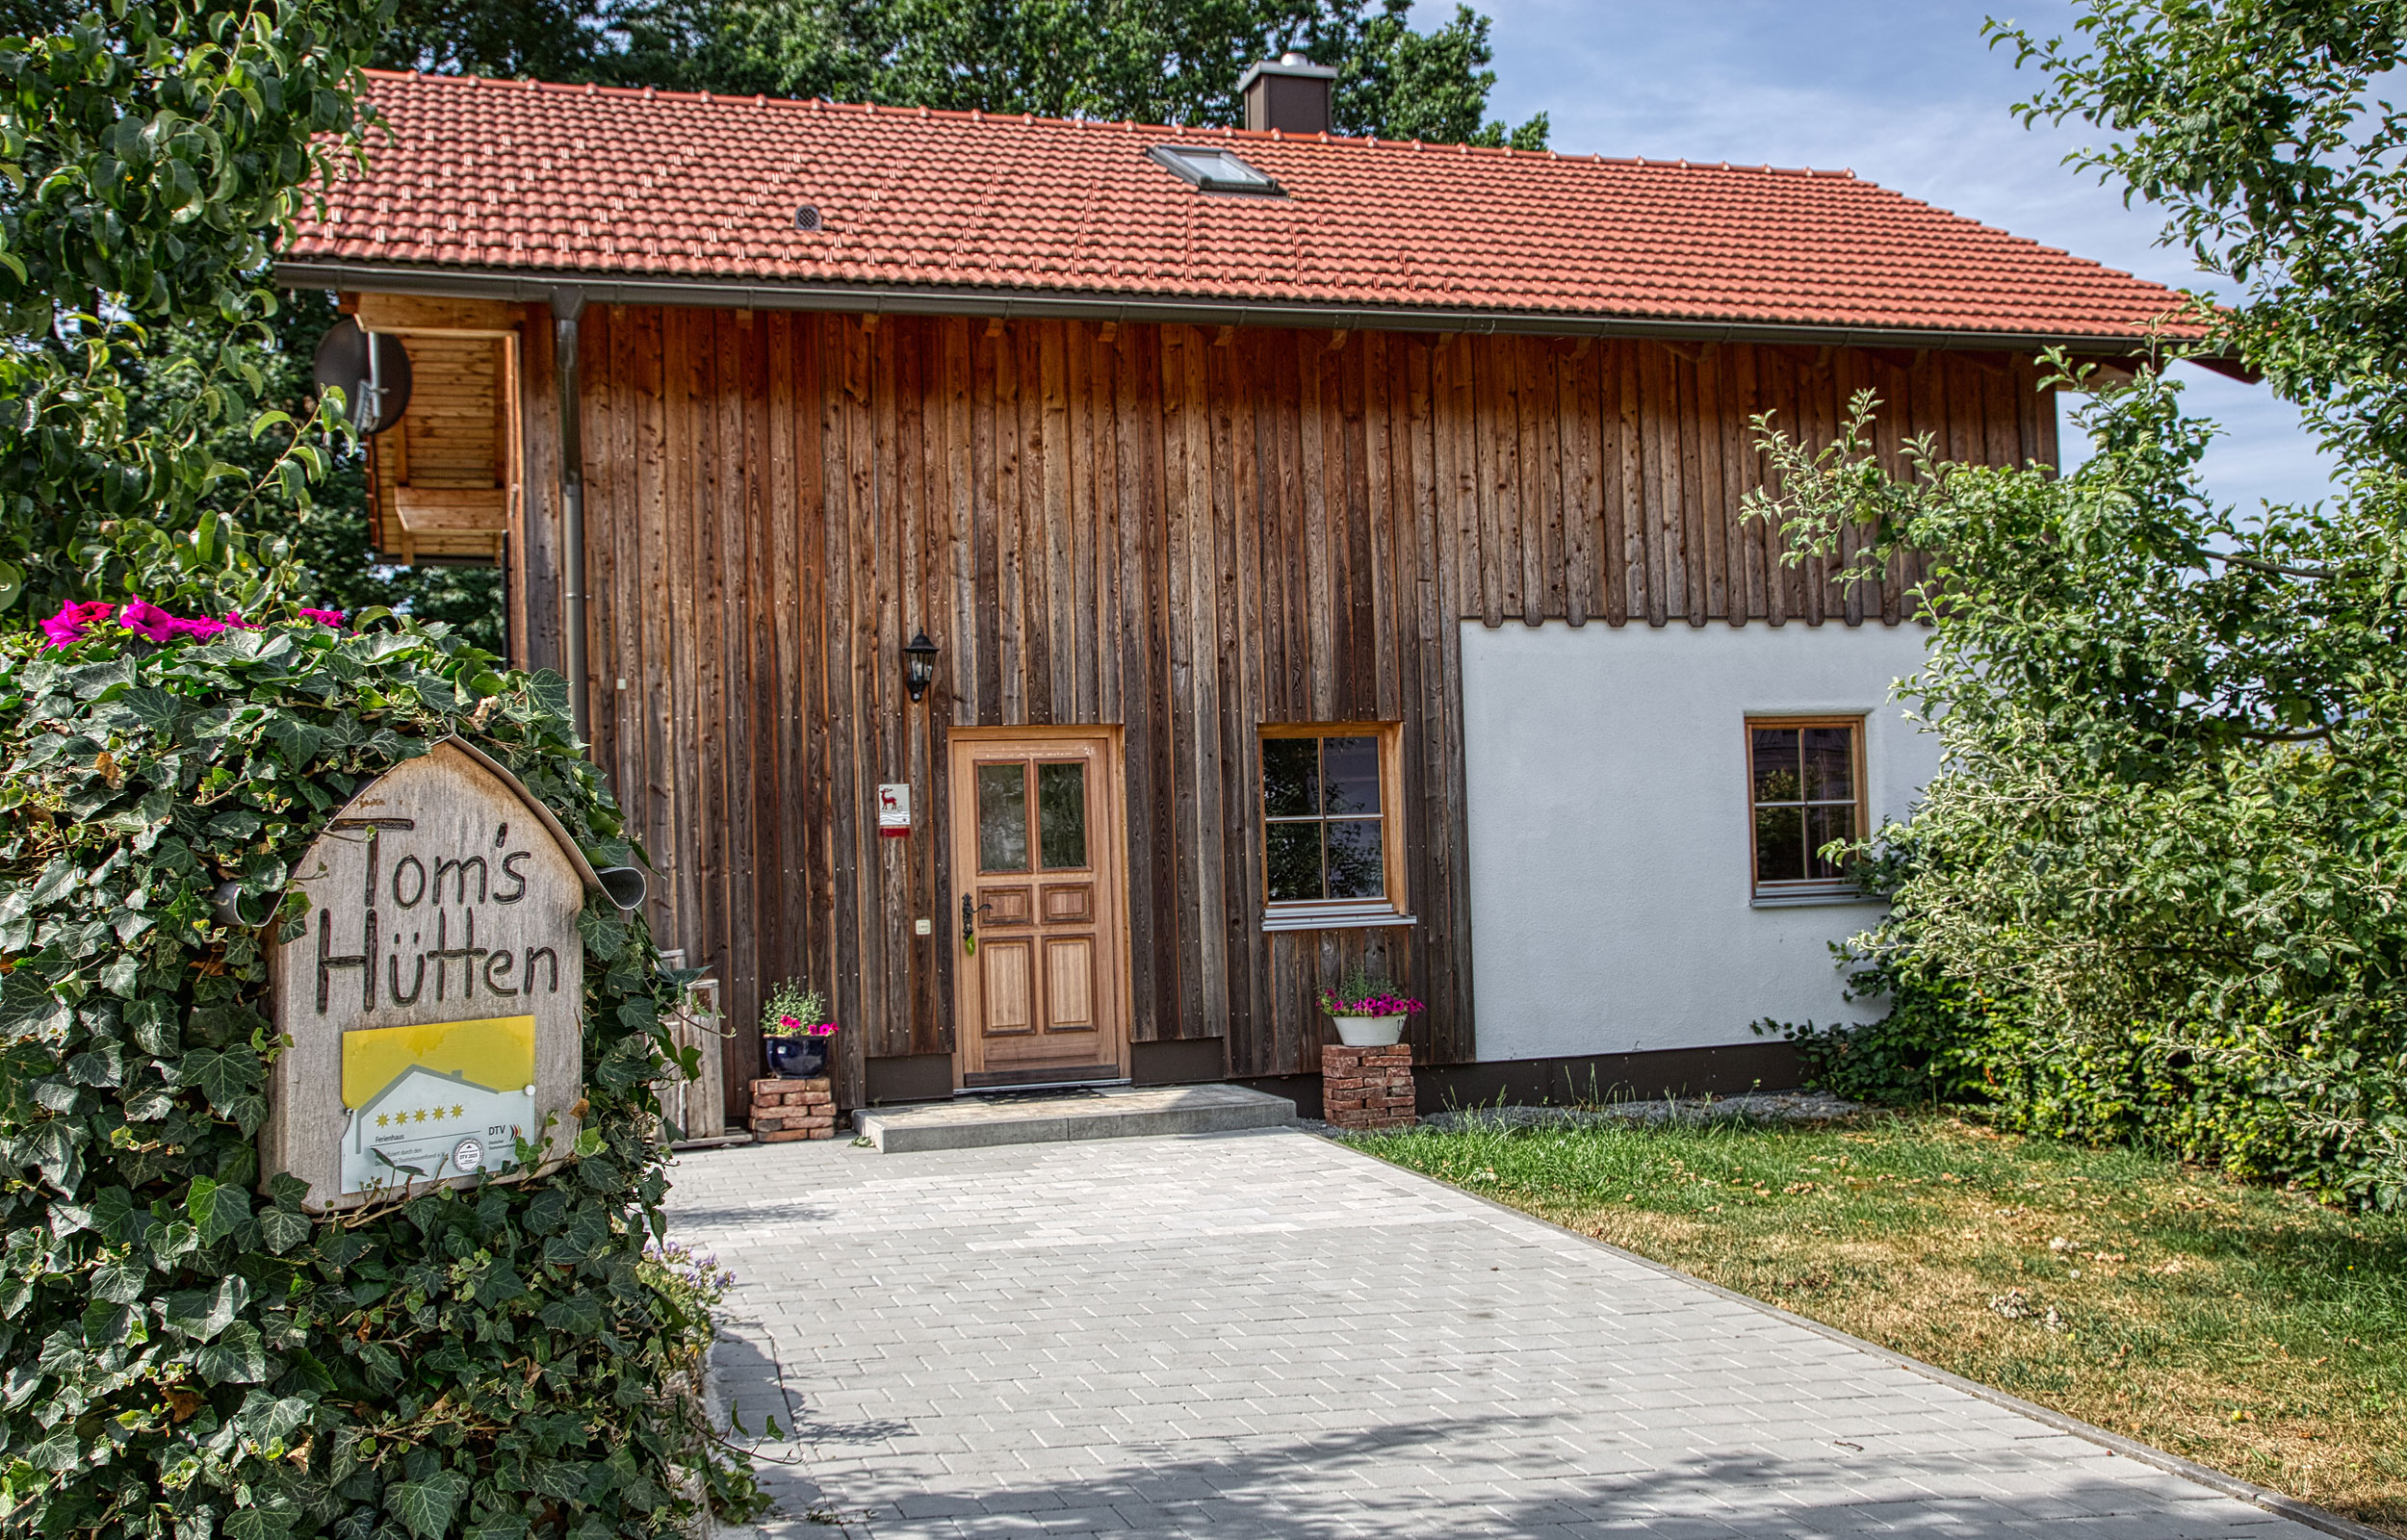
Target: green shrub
point(187, 1354)
point(1923, 1052)
point(2165, 856)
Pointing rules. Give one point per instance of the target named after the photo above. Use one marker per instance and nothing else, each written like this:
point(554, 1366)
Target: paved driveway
point(1265, 1335)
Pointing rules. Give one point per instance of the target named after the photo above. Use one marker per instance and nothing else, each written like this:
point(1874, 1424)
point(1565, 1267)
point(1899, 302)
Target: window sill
point(1813, 900)
point(1333, 919)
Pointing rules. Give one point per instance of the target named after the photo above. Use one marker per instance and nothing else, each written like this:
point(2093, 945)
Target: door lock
point(970, 925)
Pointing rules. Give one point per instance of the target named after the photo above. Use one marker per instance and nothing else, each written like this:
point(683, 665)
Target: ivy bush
point(187, 1353)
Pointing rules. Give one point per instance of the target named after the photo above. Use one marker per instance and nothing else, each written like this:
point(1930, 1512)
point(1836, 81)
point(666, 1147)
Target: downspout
point(567, 304)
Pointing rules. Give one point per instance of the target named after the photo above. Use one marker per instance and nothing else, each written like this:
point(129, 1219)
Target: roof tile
point(521, 176)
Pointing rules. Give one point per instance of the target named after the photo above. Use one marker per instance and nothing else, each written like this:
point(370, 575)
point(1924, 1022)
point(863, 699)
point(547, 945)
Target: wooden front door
point(1041, 919)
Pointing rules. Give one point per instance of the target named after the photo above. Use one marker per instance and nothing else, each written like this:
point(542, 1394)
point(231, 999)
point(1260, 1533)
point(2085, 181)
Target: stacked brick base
point(1364, 1089)
point(786, 1110)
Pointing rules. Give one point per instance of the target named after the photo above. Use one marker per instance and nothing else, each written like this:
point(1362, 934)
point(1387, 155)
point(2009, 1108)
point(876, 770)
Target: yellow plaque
point(438, 1099)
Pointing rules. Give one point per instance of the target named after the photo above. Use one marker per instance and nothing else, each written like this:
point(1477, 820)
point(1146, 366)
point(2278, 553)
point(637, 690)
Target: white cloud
point(1906, 93)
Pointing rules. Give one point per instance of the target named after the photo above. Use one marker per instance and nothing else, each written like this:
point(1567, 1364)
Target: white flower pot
point(1369, 1032)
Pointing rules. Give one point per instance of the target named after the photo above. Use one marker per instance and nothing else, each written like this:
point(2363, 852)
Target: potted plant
point(1368, 1010)
point(796, 1032)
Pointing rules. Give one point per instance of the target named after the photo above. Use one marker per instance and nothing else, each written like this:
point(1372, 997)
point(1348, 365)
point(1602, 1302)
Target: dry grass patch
point(2248, 1330)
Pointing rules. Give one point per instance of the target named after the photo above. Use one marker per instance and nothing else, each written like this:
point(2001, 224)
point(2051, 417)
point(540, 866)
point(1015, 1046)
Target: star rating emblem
point(383, 1118)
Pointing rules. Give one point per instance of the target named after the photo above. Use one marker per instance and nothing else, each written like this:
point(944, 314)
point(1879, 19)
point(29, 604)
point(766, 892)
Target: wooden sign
point(433, 1002)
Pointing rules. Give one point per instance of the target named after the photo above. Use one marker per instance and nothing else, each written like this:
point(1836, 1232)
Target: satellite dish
point(371, 370)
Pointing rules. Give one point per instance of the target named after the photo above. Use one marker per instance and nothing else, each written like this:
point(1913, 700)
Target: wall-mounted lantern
point(918, 663)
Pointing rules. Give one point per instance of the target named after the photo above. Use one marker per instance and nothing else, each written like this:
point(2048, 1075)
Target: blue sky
point(1906, 93)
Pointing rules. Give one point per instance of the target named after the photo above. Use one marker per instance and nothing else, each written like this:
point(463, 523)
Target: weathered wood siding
point(1185, 531)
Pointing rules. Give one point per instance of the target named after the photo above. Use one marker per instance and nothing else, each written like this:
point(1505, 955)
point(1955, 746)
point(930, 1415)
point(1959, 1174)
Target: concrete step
point(1055, 1116)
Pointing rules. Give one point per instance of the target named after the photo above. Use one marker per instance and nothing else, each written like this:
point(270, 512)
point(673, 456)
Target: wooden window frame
point(1390, 906)
point(1810, 889)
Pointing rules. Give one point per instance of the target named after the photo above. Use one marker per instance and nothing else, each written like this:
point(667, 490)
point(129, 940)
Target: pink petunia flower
point(68, 626)
point(145, 619)
point(789, 1023)
point(825, 1028)
point(332, 619)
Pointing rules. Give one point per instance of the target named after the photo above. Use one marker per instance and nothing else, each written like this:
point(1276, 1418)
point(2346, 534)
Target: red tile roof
point(530, 178)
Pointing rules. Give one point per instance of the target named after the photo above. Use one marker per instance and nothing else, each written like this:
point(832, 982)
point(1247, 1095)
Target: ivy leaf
point(268, 1418)
point(120, 1280)
point(154, 709)
point(200, 1313)
point(577, 1313)
point(223, 1075)
point(298, 740)
point(218, 1208)
point(152, 1022)
point(26, 1004)
point(239, 1357)
point(119, 977)
point(233, 827)
point(248, 1112)
point(425, 1508)
point(499, 1284)
point(282, 1229)
point(54, 1149)
point(249, 1522)
point(115, 1216)
point(56, 882)
point(59, 1451)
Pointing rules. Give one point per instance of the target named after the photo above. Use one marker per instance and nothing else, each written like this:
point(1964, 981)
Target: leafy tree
point(152, 156)
point(2259, 127)
point(188, 1352)
point(2162, 885)
point(326, 535)
point(1153, 60)
point(548, 39)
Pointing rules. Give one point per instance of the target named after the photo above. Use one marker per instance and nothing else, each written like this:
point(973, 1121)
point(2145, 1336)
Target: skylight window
point(1213, 170)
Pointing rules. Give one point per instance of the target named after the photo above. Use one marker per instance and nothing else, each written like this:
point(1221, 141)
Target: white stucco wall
point(1606, 782)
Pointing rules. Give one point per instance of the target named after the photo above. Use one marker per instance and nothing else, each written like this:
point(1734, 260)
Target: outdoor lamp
point(918, 663)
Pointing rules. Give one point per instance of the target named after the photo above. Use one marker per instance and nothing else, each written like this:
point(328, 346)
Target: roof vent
point(1291, 95)
point(1213, 170)
point(807, 218)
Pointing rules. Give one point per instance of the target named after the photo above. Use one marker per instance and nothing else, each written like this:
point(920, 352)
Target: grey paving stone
point(1261, 1335)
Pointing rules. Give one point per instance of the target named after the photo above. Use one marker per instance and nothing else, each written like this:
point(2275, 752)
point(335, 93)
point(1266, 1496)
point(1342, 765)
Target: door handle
point(968, 925)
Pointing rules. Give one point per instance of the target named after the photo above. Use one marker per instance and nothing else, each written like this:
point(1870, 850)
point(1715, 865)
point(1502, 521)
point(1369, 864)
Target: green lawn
point(2246, 1328)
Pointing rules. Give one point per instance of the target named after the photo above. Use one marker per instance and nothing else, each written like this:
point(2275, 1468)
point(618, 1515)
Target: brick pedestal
point(786, 1110)
point(1363, 1089)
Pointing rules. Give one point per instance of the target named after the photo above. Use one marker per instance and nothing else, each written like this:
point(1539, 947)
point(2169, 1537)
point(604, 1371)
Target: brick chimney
point(1291, 95)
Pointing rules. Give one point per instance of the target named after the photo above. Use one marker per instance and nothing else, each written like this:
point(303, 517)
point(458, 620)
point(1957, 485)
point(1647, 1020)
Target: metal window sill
point(1811, 899)
point(1336, 922)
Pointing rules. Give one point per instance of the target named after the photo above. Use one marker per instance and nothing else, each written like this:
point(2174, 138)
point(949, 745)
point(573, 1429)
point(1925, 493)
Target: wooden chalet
point(1330, 549)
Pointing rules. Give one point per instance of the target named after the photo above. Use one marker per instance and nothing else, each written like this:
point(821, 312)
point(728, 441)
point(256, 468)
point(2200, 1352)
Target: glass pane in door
point(1003, 817)
point(1061, 816)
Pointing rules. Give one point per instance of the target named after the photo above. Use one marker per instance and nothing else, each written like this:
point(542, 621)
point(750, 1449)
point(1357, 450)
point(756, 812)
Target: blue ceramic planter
point(796, 1056)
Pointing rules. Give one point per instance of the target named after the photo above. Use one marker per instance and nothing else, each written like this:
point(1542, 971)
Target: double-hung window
point(1805, 789)
point(1332, 842)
